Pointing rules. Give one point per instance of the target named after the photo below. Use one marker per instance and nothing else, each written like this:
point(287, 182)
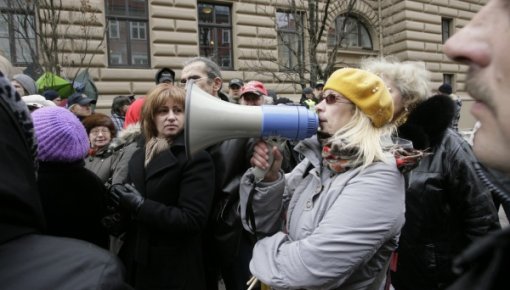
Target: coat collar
point(160, 162)
point(311, 149)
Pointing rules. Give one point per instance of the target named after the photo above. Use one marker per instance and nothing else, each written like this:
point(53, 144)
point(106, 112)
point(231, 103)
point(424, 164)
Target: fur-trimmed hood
point(127, 136)
point(427, 123)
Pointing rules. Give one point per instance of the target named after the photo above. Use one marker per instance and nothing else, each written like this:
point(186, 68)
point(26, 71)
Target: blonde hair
point(411, 78)
point(156, 98)
point(366, 140)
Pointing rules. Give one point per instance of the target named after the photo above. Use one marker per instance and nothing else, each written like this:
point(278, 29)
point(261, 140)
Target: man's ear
point(217, 84)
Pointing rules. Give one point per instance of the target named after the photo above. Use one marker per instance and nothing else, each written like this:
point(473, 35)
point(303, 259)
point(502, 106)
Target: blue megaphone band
point(292, 122)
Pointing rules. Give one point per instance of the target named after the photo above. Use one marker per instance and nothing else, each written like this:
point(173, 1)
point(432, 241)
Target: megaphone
point(210, 120)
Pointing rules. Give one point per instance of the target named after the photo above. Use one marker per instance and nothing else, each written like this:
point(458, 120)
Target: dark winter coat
point(28, 259)
point(73, 200)
point(163, 246)
point(447, 207)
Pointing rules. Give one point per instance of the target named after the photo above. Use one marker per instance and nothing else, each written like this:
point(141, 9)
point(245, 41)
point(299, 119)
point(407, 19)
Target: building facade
point(124, 42)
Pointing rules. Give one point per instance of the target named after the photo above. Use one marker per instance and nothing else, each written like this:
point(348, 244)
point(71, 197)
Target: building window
point(17, 35)
point(446, 28)
point(113, 29)
point(128, 43)
point(448, 79)
point(349, 32)
point(215, 33)
point(290, 39)
point(138, 30)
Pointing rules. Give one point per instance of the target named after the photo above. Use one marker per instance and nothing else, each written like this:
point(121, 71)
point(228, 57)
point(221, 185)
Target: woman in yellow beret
point(333, 221)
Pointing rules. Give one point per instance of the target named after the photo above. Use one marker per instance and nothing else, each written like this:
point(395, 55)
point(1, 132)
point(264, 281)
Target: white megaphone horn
point(210, 120)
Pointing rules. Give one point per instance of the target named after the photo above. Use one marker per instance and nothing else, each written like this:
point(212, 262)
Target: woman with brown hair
point(168, 198)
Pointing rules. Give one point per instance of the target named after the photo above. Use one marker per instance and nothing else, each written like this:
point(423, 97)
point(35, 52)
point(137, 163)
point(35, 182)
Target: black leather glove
point(127, 197)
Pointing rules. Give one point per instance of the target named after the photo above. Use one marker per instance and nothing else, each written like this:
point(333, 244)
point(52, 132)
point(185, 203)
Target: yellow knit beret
point(365, 90)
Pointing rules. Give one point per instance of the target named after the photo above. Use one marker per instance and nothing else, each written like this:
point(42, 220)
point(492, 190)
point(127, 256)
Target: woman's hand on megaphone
point(261, 159)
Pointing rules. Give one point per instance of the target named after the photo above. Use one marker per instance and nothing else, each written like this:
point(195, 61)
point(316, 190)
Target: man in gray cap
point(234, 90)
point(79, 104)
point(24, 85)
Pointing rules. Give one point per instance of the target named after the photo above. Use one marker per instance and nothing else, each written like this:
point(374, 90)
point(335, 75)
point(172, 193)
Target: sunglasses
point(332, 99)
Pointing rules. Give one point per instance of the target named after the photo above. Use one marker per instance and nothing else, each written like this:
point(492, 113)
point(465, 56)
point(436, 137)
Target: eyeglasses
point(196, 78)
point(96, 132)
point(332, 99)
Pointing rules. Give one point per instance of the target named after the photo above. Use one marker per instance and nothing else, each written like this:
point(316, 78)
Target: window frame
point(361, 27)
point(212, 29)
point(117, 29)
point(298, 33)
point(128, 21)
point(14, 42)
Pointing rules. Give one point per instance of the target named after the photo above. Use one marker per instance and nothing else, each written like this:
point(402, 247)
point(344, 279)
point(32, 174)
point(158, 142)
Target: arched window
point(349, 32)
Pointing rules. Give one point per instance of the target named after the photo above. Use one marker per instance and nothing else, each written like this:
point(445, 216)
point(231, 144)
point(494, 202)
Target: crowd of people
point(386, 194)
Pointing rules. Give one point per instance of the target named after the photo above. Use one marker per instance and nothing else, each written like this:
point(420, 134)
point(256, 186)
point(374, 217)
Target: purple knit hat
point(61, 136)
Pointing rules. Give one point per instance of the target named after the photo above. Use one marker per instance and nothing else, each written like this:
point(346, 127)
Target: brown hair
point(156, 98)
point(99, 119)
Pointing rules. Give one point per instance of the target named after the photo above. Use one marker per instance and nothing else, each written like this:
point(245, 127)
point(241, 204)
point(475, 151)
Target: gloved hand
point(127, 197)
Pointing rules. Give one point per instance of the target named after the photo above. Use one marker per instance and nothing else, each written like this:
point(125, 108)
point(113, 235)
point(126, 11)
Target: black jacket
point(163, 246)
point(28, 259)
point(73, 200)
point(447, 206)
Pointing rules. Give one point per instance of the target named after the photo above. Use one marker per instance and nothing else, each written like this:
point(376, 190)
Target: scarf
point(407, 158)
point(339, 159)
point(155, 146)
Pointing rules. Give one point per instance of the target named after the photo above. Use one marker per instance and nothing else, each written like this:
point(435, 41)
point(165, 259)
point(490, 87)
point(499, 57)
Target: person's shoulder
point(63, 262)
point(379, 172)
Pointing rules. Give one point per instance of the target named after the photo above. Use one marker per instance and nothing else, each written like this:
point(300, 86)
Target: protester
point(317, 90)
point(120, 106)
point(80, 105)
point(35, 102)
point(446, 89)
point(165, 75)
point(52, 95)
point(24, 85)
point(73, 198)
point(234, 90)
point(252, 94)
point(308, 99)
point(100, 158)
point(29, 259)
point(342, 207)
point(128, 141)
point(482, 46)
point(231, 160)
point(447, 206)
point(168, 196)
point(206, 74)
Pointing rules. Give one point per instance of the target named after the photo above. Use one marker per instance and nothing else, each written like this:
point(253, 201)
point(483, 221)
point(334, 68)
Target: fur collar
point(427, 123)
point(127, 136)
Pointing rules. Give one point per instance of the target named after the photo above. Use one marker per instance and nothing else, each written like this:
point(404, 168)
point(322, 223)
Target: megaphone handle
point(260, 173)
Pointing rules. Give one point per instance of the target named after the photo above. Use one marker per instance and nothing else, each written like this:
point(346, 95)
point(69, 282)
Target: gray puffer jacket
point(325, 230)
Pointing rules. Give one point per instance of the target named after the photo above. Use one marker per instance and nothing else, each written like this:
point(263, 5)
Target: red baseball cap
point(254, 87)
